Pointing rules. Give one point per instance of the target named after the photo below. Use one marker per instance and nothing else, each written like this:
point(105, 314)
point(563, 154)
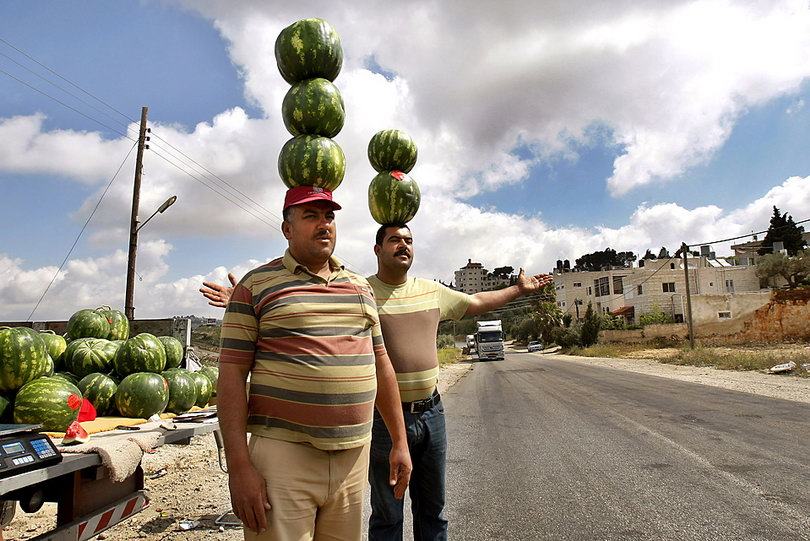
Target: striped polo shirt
point(410, 315)
point(311, 345)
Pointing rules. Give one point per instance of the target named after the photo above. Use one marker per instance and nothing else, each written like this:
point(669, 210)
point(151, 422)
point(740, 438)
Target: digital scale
point(23, 448)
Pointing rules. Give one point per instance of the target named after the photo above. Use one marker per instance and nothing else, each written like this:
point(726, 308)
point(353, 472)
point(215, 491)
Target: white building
point(473, 278)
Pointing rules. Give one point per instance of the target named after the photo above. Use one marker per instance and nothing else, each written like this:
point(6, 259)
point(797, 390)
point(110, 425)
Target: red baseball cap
point(306, 194)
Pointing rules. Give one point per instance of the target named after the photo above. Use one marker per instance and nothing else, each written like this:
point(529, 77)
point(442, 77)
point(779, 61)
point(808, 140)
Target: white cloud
point(446, 233)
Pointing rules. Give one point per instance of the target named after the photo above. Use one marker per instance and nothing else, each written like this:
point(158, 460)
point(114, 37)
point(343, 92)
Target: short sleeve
point(452, 304)
point(374, 315)
point(240, 327)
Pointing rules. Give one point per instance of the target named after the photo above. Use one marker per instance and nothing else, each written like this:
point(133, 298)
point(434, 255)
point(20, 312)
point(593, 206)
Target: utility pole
point(685, 254)
point(129, 307)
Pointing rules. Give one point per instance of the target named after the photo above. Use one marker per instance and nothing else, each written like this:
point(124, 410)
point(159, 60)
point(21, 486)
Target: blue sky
point(639, 163)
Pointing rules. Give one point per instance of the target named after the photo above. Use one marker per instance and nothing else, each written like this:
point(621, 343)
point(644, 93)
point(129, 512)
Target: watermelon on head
point(23, 357)
point(56, 346)
point(311, 160)
point(204, 389)
point(174, 351)
point(182, 390)
point(119, 324)
point(393, 198)
point(100, 390)
point(141, 353)
point(88, 324)
point(314, 107)
point(212, 373)
point(52, 402)
point(309, 48)
point(142, 395)
point(88, 355)
point(392, 150)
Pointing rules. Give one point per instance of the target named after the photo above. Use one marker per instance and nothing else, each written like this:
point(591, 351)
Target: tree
point(649, 255)
point(795, 270)
point(783, 229)
point(503, 272)
point(663, 253)
point(655, 316)
point(604, 258)
point(590, 327)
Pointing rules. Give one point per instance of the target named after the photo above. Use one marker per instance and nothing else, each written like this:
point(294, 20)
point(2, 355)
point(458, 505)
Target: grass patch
point(449, 356)
point(738, 360)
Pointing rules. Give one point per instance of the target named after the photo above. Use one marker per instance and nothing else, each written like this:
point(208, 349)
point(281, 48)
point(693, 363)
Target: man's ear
point(377, 249)
point(285, 229)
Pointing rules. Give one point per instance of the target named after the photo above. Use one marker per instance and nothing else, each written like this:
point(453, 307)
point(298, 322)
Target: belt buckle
point(418, 404)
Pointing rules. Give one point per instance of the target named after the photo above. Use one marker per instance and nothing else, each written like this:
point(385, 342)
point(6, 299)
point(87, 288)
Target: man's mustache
point(403, 251)
point(323, 235)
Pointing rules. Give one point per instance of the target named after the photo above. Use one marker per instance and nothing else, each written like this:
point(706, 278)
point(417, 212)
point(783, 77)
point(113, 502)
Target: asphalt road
point(541, 448)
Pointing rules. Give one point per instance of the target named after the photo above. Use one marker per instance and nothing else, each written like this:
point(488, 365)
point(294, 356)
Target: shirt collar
point(294, 266)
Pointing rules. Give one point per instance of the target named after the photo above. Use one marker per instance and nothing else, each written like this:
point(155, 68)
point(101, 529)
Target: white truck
point(489, 339)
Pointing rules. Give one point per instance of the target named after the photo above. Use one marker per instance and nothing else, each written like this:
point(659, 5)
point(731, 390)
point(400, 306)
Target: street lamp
point(129, 307)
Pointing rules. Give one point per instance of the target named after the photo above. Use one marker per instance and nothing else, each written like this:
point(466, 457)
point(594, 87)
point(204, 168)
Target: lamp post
point(129, 307)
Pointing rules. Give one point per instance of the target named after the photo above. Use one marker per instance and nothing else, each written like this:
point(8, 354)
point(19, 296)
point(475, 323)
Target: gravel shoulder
point(786, 387)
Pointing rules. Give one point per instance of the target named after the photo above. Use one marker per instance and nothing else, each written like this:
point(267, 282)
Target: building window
point(590, 291)
point(678, 318)
point(672, 265)
point(563, 303)
point(639, 289)
point(729, 286)
point(669, 287)
point(724, 315)
point(601, 287)
point(618, 287)
point(577, 284)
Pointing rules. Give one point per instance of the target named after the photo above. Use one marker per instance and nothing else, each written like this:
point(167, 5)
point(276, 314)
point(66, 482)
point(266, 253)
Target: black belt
point(421, 406)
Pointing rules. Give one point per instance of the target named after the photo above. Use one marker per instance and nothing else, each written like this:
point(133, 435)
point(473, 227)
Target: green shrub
point(445, 341)
point(589, 333)
point(655, 317)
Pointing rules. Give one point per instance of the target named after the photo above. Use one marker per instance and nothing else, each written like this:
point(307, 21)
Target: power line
point(748, 235)
point(100, 199)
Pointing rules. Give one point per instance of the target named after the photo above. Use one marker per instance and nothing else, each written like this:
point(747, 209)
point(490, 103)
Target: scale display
point(23, 449)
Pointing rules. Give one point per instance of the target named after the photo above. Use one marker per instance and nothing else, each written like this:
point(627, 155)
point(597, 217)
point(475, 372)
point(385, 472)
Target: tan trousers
point(315, 495)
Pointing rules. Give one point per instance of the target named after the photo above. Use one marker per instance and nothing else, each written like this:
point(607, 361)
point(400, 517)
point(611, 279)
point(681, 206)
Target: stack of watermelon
point(393, 196)
point(309, 57)
point(97, 361)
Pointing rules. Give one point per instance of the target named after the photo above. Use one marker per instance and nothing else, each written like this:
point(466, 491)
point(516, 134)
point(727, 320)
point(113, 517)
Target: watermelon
point(141, 353)
point(182, 390)
point(142, 395)
point(309, 48)
point(392, 150)
point(314, 107)
point(212, 373)
point(393, 198)
point(50, 368)
point(4, 402)
point(174, 351)
point(56, 347)
point(52, 402)
point(23, 357)
point(311, 160)
point(119, 324)
point(75, 433)
point(204, 389)
point(100, 390)
point(87, 355)
point(67, 376)
point(88, 324)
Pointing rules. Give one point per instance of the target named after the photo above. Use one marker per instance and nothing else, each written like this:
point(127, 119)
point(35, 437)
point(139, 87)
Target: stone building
point(473, 278)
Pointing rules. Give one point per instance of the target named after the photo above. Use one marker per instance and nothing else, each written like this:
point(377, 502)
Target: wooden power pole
point(685, 254)
point(129, 307)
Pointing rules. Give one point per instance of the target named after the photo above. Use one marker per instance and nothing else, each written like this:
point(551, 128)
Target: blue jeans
point(427, 442)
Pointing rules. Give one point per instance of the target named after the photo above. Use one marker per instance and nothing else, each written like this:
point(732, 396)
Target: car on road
point(534, 345)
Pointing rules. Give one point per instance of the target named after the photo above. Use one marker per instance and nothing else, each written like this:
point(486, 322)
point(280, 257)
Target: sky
point(546, 130)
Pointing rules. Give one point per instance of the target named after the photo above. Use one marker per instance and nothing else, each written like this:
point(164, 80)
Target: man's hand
point(400, 460)
point(532, 284)
point(218, 295)
point(249, 497)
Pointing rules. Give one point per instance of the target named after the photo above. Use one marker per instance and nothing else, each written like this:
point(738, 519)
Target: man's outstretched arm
point(486, 301)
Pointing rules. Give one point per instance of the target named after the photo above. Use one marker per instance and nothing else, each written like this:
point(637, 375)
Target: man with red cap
point(307, 332)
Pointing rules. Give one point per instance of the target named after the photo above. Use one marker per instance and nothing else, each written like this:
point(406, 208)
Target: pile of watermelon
point(309, 57)
point(44, 377)
point(393, 196)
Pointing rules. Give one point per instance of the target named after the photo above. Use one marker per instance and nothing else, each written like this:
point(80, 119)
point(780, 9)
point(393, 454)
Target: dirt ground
point(185, 483)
